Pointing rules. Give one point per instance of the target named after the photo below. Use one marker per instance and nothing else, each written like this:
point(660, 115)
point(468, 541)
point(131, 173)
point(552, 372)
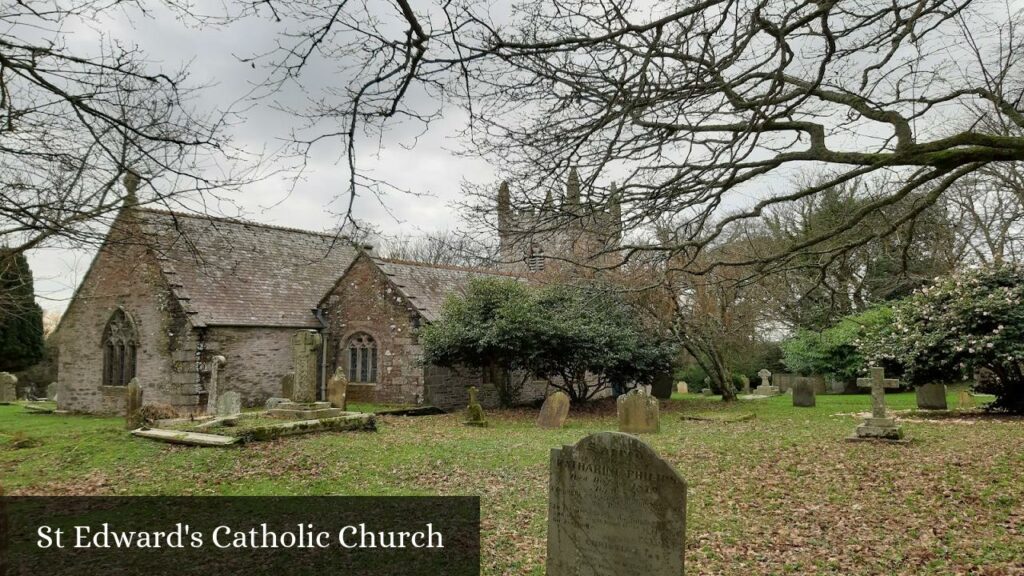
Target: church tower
point(579, 230)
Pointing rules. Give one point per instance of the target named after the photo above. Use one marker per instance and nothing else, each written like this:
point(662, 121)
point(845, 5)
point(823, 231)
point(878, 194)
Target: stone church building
point(169, 291)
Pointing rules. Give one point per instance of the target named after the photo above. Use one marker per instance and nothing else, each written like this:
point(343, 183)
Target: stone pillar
point(214, 388)
point(305, 345)
point(133, 405)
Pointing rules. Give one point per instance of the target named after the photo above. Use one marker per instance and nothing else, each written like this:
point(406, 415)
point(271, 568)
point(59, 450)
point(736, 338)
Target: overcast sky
point(213, 55)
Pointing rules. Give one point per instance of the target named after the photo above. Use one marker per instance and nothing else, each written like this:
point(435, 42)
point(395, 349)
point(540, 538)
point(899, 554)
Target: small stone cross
point(878, 383)
point(766, 376)
point(472, 395)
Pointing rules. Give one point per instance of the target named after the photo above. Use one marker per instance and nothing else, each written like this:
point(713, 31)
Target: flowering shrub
point(971, 320)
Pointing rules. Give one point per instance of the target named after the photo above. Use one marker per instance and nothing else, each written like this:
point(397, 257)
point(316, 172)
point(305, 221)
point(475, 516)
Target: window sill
point(113, 390)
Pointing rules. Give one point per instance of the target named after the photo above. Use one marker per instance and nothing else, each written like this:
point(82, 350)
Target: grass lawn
point(780, 493)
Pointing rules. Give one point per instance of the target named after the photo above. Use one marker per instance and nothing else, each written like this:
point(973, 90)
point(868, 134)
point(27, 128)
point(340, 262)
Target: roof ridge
point(453, 267)
point(230, 220)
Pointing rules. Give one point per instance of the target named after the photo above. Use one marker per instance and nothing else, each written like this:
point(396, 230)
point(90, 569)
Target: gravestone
point(638, 412)
point(305, 346)
point(964, 400)
point(682, 388)
point(931, 397)
point(51, 391)
point(474, 412)
point(661, 388)
point(615, 508)
point(337, 389)
point(746, 383)
point(229, 404)
point(554, 411)
point(211, 397)
point(880, 426)
point(707, 392)
point(133, 405)
point(707, 384)
point(766, 388)
point(8, 387)
point(803, 393)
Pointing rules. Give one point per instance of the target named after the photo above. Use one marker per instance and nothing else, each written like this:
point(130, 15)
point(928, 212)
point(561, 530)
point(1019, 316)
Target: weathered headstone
point(746, 383)
point(880, 425)
point(766, 388)
point(8, 387)
point(133, 405)
point(932, 397)
point(337, 389)
point(614, 508)
point(707, 392)
point(51, 391)
point(554, 411)
point(803, 393)
point(661, 388)
point(707, 383)
point(474, 412)
point(229, 404)
point(305, 346)
point(638, 412)
point(682, 387)
point(964, 400)
point(211, 398)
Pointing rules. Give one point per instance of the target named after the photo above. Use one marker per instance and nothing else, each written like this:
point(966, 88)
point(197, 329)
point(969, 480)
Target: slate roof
point(229, 272)
point(427, 285)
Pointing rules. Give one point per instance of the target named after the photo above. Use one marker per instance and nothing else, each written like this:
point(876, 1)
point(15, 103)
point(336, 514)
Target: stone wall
point(258, 360)
point(124, 275)
point(446, 388)
point(364, 301)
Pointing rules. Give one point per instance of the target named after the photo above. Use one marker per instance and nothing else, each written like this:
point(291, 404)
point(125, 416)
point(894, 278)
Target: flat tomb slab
point(348, 421)
point(183, 437)
point(741, 417)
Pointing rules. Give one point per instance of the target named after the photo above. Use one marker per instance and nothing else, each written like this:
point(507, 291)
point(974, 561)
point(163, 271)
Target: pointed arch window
point(120, 346)
point(361, 355)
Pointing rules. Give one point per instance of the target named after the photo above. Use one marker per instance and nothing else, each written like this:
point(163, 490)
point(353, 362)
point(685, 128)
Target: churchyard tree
point(493, 326)
point(822, 286)
point(21, 319)
point(699, 110)
point(970, 320)
point(77, 120)
point(582, 338)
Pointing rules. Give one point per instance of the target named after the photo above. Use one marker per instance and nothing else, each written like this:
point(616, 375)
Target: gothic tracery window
point(362, 358)
point(120, 346)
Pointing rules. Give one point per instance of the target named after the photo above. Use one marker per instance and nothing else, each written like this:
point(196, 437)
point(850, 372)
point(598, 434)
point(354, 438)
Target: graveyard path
point(778, 493)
